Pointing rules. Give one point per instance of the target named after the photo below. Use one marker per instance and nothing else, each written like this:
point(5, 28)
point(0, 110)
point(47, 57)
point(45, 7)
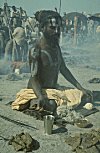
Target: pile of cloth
point(69, 97)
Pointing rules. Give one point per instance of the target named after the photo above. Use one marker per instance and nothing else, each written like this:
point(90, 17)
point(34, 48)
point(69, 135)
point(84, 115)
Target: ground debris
point(86, 142)
point(13, 77)
point(93, 149)
point(74, 141)
point(38, 114)
point(94, 80)
point(24, 142)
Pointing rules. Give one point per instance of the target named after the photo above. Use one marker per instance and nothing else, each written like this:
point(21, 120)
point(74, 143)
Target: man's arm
point(34, 80)
point(35, 85)
point(69, 77)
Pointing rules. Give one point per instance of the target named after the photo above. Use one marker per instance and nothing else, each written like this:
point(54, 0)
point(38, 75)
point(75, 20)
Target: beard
point(54, 38)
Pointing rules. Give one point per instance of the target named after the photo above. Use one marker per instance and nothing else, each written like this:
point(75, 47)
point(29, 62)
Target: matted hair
point(43, 16)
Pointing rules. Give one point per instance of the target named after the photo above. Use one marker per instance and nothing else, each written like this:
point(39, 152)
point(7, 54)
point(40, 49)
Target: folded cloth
point(69, 97)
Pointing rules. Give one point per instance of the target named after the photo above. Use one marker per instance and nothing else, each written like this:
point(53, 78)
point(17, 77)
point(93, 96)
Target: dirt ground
point(84, 64)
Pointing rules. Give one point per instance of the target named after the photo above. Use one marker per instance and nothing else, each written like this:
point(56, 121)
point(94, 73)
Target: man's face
point(52, 29)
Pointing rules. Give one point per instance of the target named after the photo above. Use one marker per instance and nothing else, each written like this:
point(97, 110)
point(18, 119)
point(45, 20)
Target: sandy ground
point(84, 63)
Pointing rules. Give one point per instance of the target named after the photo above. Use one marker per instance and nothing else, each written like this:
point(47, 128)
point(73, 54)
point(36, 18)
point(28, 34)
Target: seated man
point(17, 48)
point(46, 60)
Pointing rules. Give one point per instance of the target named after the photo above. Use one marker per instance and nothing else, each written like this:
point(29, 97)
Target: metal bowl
point(82, 123)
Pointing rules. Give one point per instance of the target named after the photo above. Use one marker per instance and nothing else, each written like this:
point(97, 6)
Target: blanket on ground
point(68, 97)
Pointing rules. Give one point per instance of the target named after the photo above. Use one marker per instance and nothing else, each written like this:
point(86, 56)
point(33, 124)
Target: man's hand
point(86, 98)
point(88, 95)
point(42, 102)
point(49, 105)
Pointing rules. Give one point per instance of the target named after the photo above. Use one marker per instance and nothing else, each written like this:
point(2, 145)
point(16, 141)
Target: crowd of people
point(86, 28)
point(18, 31)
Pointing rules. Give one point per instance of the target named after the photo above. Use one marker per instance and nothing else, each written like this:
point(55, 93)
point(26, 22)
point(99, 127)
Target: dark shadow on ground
point(60, 130)
point(86, 112)
point(96, 95)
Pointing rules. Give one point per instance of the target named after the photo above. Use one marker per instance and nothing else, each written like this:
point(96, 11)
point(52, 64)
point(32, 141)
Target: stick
point(17, 122)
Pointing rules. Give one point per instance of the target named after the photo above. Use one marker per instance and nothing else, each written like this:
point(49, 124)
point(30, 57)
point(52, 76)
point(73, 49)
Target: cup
point(48, 124)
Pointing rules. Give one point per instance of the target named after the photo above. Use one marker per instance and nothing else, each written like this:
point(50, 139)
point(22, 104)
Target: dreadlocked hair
point(43, 15)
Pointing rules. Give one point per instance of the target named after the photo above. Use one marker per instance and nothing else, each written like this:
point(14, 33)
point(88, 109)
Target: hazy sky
point(89, 6)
